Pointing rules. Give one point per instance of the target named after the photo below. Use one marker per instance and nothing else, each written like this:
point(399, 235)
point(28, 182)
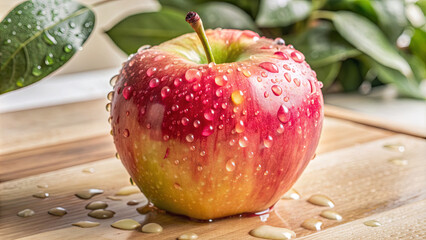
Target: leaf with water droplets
point(39, 37)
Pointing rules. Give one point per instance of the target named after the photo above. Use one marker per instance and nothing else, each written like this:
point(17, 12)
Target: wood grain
point(41, 127)
point(360, 180)
point(349, 115)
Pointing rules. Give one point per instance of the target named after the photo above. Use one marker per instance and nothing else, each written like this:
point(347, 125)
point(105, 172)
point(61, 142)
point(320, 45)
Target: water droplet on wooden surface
point(291, 194)
point(321, 200)
point(128, 190)
point(188, 236)
point(312, 224)
point(41, 195)
point(101, 214)
point(395, 147)
point(152, 228)
point(86, 224)
point(126, 224)
point(57, 211)
point(399, 161)
point(269, 232)
point(332, 215)
point(42, 185)
point(113, 198)
point(97, 205)
point(372, 223)
point(26, 213)
point(88, 193)
point(133, 202)
point(88, 170)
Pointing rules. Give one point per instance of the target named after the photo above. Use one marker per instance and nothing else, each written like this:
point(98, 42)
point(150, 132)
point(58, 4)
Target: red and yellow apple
point(209, 140)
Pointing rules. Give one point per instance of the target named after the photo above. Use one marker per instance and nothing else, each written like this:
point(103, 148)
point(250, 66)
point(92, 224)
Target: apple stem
point(195, 21)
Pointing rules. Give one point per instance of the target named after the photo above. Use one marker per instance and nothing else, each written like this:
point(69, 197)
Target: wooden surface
point(362, 118)
point(53, 145)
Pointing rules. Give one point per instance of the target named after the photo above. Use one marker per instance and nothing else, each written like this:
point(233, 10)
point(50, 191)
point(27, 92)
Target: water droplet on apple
point(189, 138)
point(166, 137)
point(243, 142)
point(296, 81)
point(283, 114)
point(246, 73)
point(279, 41)
point(177, 81)
point(159, 57)
point(281, 55)
point(151, 71)
point(221, 80)
point(297, 56)
point(237, 97)
point(127, 92)
point(209, 115)
point(126, 133)
point(266, 94)
point(230, 165)
point(113, 81)
point(196, 123)
point(108, 107)
point(267, 142)
point(219, 92)
point(185, 121)
point(287, 77)
point(165, 91)
point(110, 95)
point(239, 127)
point(192, 75)
point(276, 90)
point(270, 67)
point(207, 131)
point(154, 82)
point(175, 107)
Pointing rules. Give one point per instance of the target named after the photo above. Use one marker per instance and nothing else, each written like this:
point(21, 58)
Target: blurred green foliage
point(348, 43)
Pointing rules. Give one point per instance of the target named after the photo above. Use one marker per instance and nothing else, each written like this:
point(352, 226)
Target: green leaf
point(274, 13)
point(322, 45)
point(349, 77)
point(417, 44)
point(391, 14)
point(37, 37)
point(230, 16)
point(184, 5)
point(328, 73)
point(361, 7)
point(150, 28)
point(368, 38)
point(406, 86)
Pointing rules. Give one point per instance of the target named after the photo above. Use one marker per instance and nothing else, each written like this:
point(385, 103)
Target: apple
point(216, 125)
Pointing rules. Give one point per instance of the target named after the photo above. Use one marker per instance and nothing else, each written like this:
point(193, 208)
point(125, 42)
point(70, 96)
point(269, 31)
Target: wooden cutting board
point(352, 168)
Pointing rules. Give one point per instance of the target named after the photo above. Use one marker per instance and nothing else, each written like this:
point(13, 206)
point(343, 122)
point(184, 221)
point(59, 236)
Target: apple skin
point(177, 123)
